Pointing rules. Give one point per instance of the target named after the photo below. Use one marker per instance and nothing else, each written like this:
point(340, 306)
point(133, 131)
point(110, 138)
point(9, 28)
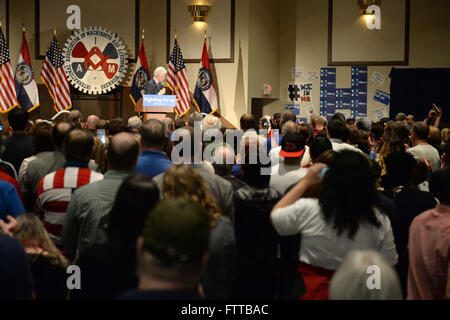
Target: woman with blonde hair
point(182, 180)
point(47, 264)
point(435, 138)
point(389, 146)
point(445, 133)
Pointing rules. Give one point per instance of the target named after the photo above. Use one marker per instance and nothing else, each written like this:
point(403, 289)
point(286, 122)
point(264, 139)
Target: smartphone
point(323, 172)
point(101, 134)
point(1, 127)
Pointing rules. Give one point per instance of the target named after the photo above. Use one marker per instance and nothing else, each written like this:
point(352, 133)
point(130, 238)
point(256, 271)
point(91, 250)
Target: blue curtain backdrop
point(415, 89)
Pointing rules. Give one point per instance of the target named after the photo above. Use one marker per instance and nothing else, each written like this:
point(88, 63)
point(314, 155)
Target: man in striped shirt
point(87, 215)
point(56, 188)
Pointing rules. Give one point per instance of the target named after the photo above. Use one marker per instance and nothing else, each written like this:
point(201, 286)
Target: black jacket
point(152, 87)
point(256, 242)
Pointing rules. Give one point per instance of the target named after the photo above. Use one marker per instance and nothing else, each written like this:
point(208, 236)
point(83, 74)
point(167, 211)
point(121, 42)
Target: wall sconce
point(365, 4)
point(370, 9)
point(199, 12)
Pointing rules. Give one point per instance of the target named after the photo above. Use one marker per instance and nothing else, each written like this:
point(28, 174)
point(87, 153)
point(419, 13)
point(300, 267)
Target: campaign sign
point(154, 100)
point(382, 97)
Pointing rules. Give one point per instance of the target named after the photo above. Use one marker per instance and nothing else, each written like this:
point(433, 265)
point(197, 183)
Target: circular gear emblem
point(204, 79)
point(24, 74)
point(95, 60)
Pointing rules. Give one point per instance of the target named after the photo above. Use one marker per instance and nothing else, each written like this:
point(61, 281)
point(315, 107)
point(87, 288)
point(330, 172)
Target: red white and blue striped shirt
point(54, 194)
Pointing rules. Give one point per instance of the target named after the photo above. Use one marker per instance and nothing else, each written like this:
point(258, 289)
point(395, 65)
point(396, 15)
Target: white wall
point(271, 38)
point(429, 45)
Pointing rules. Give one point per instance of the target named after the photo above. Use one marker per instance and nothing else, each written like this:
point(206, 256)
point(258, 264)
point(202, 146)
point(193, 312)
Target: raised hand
point(7, 228)
point(437, 109)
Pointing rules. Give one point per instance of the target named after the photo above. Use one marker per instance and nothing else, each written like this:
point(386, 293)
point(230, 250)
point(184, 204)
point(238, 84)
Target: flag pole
point(54, 34)
point(176, 65)
point(1, 54)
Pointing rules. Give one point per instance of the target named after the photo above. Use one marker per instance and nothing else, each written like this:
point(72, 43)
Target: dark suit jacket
point(152, 87)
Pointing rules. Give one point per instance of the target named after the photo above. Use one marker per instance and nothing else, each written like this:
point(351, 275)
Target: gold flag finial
point(143, 31)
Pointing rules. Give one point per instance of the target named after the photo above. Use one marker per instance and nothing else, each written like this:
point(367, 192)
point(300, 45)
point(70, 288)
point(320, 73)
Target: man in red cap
point(289, 172)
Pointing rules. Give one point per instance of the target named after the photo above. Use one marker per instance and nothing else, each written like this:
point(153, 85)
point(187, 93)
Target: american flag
point(177, 80)
point(55, 78)
point(8, 98)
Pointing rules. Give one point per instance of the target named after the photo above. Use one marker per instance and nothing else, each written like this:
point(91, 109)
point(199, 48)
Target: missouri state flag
point(141, 75)
point(205, 94)
point(25, 83)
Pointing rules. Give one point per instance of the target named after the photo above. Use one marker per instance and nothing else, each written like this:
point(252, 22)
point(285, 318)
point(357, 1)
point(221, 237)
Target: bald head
point(78, 145)
point(223, 160)
point(123, 150)
point(248, 121)
point(91, 122)
point(59, 133)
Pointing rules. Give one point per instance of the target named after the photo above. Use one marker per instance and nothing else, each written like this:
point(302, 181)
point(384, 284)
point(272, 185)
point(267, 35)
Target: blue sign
point(154, 100)
point(333, 99)
point(382, 97)
point(294, 107)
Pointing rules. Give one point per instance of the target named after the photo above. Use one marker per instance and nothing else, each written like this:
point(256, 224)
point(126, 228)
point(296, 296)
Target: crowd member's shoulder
point(159, 179)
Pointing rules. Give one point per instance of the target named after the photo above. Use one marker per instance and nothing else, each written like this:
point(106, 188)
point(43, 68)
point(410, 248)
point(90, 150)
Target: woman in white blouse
point(343, 218)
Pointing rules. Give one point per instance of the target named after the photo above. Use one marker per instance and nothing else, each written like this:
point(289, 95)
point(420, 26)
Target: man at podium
point(156, 85)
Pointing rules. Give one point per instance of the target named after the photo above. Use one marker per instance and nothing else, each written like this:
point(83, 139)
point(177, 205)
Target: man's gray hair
point(134, 122)
point(211, 122)
point(195, 116)
point(159, 70)
point(400, 116)
point(75, 115)
point(288, 127)
point(351, 280)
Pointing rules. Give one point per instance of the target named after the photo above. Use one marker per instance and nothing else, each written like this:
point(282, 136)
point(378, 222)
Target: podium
point(154, 111)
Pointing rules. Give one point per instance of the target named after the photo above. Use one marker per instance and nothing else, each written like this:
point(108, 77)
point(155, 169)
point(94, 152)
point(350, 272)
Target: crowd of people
point(338, 209)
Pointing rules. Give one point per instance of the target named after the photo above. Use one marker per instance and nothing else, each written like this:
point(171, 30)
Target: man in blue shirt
point(152, 160)
point(10, 203)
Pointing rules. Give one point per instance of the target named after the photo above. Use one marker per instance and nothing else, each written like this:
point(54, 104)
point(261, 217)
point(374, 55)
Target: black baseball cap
point(292, 145)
